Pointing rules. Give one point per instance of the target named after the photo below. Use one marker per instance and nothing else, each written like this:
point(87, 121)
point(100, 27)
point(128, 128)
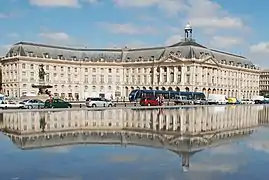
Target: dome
point(188, 27)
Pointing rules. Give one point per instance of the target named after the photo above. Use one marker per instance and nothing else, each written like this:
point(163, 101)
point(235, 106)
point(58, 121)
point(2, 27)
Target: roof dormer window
point(178, 53)
point(46, 55)
point(74, 58)
point(60, 57)
point(86, 58)
point(30, 54)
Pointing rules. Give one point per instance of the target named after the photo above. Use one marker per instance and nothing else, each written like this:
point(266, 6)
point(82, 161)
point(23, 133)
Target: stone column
point(168, 75)
point(175, 74)
point(183, 74)
point(161, 75)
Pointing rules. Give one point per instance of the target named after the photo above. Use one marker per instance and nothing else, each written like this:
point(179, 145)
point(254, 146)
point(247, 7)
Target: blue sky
point(236, 26)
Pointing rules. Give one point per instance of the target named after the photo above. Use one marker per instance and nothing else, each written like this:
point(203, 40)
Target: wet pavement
point(228, 142)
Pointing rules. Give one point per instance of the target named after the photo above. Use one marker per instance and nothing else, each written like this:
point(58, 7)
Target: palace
point(184, 66)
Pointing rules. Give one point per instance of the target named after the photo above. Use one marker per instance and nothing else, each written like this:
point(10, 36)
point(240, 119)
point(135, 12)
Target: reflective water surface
point(226, 142)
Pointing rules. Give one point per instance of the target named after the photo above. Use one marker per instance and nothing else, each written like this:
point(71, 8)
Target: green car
point(57, 103)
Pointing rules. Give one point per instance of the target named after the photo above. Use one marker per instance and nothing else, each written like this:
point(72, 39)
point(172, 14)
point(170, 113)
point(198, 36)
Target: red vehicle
point(149, 101)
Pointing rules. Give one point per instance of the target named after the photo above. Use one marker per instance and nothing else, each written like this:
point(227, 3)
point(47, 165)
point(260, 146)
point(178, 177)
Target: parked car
point(247, 101)
point(33, 104)
point(99, 102)
point(149, 101)
point(232, 100)
point(182, 100)
point(11, 105)
point(57, 103)
point(200, 101)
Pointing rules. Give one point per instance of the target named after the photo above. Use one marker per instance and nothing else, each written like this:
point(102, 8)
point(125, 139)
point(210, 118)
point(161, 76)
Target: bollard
point(80, 105)
point(125, 104)
point(168, 103)
point(134, 104)
point(104, 105)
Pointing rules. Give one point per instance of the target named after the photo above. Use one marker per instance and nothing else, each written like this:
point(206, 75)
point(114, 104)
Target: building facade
point(184, 66)
point(264, 82)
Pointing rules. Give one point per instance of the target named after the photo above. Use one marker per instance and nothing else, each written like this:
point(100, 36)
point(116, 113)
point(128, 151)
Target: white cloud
point(262, 47)
point(4, 49)
point(128, 28)
point(173, 39)
point(170, 6)
point(131, 44)
point(225, 150)
point(225, 41)
point(208, 14)
point(55, 3)
point(225, 168)
point(55, 36)
point(201, 13)
point(217, 22)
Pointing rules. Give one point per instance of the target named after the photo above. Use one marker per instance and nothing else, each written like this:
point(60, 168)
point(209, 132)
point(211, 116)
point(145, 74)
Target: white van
point(217, 99)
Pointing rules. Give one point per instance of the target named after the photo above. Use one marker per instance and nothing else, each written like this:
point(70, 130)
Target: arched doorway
point(163, 88)
point(209, 91)
point(170, 89)
point(150, 88)
point(187, 89)
point(144, 88)
point(157, 88)
point(204, 90)
point(177, 89)
point(214, 91)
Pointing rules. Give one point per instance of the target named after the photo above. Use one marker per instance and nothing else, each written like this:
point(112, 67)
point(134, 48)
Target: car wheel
point(110, 105)
point(94, 105)
point(30, 107)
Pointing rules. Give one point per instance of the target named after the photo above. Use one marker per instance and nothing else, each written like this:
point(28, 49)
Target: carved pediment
point(210, 60)
point(170, 60)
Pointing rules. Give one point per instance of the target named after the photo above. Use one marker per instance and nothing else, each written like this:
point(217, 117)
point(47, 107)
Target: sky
point(235, 26)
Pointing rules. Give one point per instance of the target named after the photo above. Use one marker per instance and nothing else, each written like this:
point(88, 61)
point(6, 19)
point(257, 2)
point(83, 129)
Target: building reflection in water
point(184, 131)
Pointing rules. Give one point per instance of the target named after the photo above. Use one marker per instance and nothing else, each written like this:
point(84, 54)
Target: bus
point(137, 94)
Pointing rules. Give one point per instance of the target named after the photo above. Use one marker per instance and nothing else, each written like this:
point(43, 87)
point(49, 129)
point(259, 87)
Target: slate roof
point(187, 49)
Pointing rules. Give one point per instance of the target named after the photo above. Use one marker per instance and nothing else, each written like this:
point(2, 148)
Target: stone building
point(184, 66)
point(264, 82)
